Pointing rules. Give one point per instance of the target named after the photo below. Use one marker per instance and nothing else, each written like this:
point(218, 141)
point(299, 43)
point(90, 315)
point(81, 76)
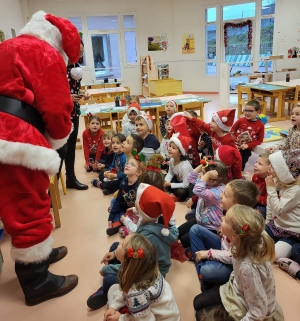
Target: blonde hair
point(265, 156)
point(253, 241)
point(244, 192)
point(139, 273)
point(133, 99)
point(109, 134)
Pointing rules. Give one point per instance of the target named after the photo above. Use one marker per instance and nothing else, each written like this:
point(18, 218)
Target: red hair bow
point(135, 254)
point(153, 168)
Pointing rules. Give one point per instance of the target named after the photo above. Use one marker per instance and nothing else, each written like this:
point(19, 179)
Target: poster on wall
point(154, 43)
point(188, 44)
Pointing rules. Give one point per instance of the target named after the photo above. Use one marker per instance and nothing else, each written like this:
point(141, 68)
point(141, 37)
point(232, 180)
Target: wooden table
point(185, 102)
point(108, 92)
point(273, 91)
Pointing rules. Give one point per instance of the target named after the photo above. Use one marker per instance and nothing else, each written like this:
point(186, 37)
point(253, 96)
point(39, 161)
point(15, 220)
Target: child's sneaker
point(190, 215)
point(189, 254)
point(174, 197)
point(123, 231)
point(289, 265)
point(114, 229)
point(96, 182)
point(97, 300)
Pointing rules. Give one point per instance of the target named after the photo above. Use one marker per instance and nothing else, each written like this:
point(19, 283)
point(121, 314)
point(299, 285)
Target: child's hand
point(101, 273)
point(95, 166)
point(167, 184)
point(187, 115)
point(198, 169)
point(270, 150)
point(210, 175)
point(122, 219)
point(87, 166)
point(189, 203)
point(110, 224)
point(105, 173)
point(270, 181)
point(201, 255)
point(109, 313)
point(108, 257)
point(100, 166)
point(114, 317)
point(243, 146)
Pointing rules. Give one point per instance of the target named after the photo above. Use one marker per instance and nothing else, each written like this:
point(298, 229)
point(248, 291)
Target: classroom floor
point(84, 221)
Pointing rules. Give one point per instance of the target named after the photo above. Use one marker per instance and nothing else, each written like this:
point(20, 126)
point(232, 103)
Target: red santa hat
point(151, 202)
point(232, 158)
point(135, 107)
point(148, 119)
point(286, 165)
point(173, 102)
point(182, 142)
point(64, 37)
point(224, 119)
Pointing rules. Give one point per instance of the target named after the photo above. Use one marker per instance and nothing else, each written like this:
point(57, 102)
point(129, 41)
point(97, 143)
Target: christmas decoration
point(238, 25)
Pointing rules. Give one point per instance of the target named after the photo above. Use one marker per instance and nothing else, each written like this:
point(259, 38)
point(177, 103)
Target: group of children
point(232, 226)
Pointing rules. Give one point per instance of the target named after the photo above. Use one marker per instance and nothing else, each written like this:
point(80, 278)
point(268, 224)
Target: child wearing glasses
point(248, 131)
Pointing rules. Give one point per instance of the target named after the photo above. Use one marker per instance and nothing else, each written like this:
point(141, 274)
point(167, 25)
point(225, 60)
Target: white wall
point(176, 17)
point(10, 17)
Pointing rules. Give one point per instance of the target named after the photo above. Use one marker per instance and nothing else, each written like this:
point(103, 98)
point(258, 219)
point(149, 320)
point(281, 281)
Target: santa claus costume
point(34, 121)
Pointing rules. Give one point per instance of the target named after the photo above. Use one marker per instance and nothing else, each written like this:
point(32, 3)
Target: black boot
point(72, 182)
point(57, 254)
point(39, 285)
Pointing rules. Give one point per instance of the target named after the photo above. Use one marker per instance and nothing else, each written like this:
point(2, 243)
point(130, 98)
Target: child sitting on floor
point(127, 193)
point(132, 145)
point(170, 108)
point(144, 124)
point(261, 171)
point(115, 174)
point(205, 145)
point(164, 145)
point(207, 248)
point(132, 112)
point(248, 131)
point(92, 143)
point(140, 283)
point(107, 155)
point(218, 128)
point(130, 100)
point(252, 250)
point(150, 203)
point(208, 180)
point(179, 168)
point(283, 201)
point(293, 139)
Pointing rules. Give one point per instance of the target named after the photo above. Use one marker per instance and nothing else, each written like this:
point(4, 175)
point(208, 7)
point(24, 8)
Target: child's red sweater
point(216, 140)
point(248, 132)
point(261, 183)
point(92, 144)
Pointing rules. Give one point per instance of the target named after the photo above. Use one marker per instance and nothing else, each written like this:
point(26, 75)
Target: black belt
point(22, 110)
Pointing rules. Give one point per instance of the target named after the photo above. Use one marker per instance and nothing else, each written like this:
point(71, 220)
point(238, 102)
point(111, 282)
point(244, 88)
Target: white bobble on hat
point(224, 119)
point(165, 232)
point(76, 73)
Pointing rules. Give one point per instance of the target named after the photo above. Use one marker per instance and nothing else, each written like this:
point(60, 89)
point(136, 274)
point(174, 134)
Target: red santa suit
point(33, 70)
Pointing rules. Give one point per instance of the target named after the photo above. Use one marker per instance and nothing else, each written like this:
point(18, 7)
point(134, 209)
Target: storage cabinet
point(148, 72)
point(165, 87)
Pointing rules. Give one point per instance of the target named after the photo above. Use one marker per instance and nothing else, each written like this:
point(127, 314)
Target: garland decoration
point(238, 25)
point(137, 156)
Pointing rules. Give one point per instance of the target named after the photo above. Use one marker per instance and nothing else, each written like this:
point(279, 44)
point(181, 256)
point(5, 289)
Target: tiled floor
point(84, 220)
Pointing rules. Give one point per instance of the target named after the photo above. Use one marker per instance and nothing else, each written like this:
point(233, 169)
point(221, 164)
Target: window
point(130, 38)
point(78, 24)
point(210, 40)
point(239, 11)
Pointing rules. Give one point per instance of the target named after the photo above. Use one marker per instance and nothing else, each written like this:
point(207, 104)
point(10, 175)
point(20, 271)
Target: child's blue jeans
point(211, 273)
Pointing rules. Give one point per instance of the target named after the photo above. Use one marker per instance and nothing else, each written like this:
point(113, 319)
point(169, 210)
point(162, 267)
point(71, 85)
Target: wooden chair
point(55, 199)
point(63, 185)
point(293, 99)
point(106, 121)
point(120, 116)
point(242, 102)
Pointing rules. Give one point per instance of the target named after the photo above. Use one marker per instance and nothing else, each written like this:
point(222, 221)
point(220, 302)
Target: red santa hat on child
point(286, 165)
point(148, 119)
point(173, 102)
point(151, 202)
point(232, 158)
point(64, 37)
point(224, 119)
point(181, 138)
point(135, 107)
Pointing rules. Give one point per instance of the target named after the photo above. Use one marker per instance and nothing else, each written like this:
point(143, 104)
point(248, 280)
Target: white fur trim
point(219, 122)
point(280, 167)
point(42, 29)
point(181, 113)
point(56, 143)
point(133, 109)
point(30, 156)
point(177, 142)
point(165, 232)
point(142, 187)
point(33, 254)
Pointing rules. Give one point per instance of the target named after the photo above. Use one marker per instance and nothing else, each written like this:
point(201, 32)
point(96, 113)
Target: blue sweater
point(125, 199)
point(118, 163)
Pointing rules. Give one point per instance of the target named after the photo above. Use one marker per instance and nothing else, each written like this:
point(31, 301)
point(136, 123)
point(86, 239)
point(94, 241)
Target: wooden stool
point(63, 185)
point(55, 199)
